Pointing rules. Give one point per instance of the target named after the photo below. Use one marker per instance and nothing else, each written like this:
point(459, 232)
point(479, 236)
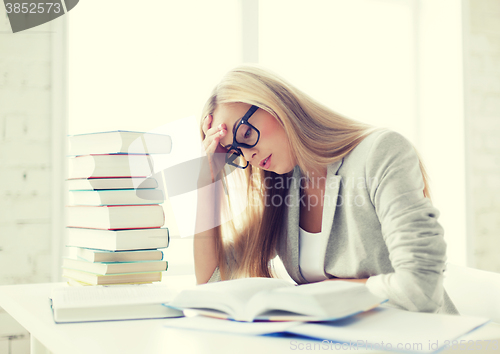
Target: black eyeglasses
point(245, 135)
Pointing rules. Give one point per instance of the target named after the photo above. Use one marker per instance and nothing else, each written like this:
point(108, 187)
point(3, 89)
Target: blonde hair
point(318, 136)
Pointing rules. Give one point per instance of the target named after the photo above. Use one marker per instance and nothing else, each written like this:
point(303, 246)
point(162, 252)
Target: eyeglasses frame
point(235, 145)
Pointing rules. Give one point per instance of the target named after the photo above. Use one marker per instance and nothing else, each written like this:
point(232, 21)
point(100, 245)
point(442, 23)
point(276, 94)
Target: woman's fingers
point(206, 123)
point(214, 134)
point(212, 131)
point(212, 145)
point(215, 130)
point(209, 141)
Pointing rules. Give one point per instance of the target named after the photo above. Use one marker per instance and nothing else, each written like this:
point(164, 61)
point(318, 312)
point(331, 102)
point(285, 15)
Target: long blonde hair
point(318, 136)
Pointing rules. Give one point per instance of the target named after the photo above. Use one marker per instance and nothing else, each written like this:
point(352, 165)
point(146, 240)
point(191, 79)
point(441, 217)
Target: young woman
point(334, 198)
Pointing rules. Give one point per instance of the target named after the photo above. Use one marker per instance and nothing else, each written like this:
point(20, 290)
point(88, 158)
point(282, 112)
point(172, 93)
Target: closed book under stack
point(114, 218)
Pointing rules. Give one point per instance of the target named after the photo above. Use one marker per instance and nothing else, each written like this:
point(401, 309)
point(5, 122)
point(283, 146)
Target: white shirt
point(312, 249)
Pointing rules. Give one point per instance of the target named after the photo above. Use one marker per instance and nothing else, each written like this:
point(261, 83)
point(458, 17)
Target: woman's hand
point(214, 151)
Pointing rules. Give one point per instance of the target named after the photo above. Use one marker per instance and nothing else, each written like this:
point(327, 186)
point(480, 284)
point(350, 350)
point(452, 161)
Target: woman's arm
point(411, 232)
point(208, 217)
point(205, 258)
point(208, 206)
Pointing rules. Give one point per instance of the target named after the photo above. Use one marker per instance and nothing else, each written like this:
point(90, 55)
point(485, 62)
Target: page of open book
point(322, 300)
point(228, 296)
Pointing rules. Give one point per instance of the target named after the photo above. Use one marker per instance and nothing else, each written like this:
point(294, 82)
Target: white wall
point(482, 57)
point(25, 165)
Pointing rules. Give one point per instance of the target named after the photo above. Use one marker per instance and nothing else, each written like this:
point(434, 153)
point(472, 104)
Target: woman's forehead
point(229, 112)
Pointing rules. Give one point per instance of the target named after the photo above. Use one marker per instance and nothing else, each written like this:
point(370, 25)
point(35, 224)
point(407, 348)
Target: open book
point(274, 299)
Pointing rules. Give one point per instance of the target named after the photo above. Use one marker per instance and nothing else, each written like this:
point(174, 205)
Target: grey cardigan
point(381, 226)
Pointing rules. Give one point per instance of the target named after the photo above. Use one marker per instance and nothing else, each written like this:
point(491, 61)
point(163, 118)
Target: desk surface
point(29, 305)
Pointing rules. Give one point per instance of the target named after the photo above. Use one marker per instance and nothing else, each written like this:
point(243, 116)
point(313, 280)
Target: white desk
point(29, 305)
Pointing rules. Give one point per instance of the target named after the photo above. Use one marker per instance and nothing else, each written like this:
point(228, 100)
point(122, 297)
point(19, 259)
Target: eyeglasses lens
point(246, 135)
point(235, 158)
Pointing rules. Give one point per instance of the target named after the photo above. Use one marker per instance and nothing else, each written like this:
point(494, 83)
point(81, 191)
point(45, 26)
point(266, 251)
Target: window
point(356, 57)
point(147, 66)
point(144, 67)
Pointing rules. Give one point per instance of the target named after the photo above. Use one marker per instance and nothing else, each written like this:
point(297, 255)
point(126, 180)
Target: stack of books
point(115, 220)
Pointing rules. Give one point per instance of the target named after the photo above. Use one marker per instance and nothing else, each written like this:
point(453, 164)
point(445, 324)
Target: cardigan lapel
point(291, 237)
point(291, 234)
point(331, 195)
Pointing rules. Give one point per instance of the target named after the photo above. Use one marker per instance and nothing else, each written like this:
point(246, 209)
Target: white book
point(114, 267)
point(116, 197)
point(119, 141)
point(108, 279)
point(110, 183)
point(272, 299)
point(110, 165)
point(118, 240)
point(94, 255)
point(113, 217)
point(91, 303)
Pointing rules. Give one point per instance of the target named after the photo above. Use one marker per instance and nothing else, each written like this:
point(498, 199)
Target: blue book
point(105, 268)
